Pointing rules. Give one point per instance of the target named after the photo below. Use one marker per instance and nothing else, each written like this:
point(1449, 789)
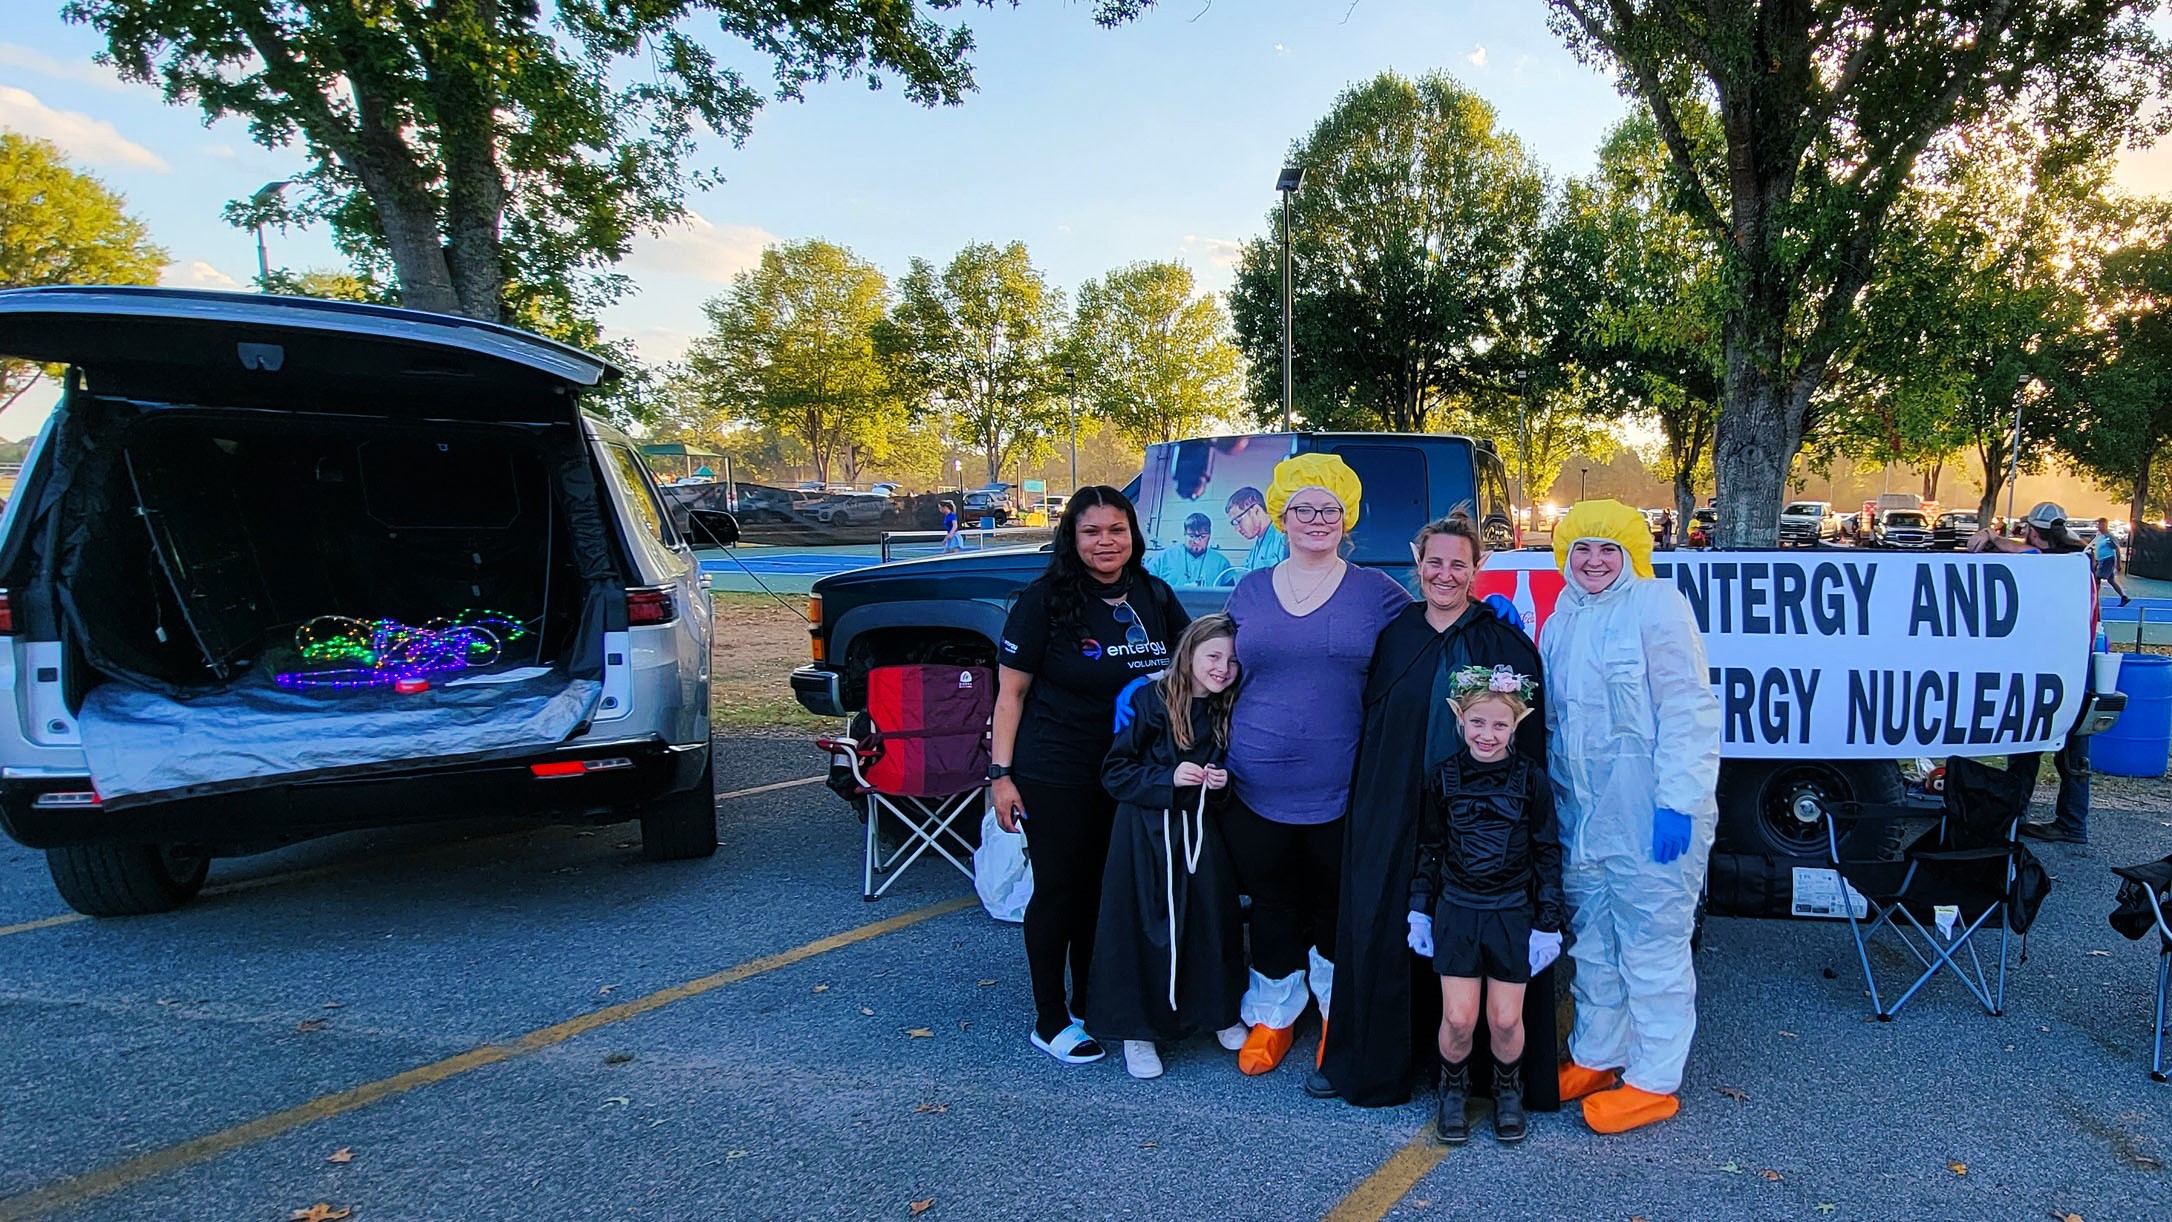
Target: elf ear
point(1527, 711)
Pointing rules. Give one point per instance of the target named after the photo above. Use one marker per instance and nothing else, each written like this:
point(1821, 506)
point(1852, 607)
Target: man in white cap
point(2044, 530)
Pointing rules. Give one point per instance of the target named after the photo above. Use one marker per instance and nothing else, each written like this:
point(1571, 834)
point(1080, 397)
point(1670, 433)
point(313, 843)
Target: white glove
point(1545, 948)
point(1421, 935)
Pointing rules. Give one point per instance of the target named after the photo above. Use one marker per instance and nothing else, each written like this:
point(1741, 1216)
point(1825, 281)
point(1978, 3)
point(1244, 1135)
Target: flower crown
point(1471, 680)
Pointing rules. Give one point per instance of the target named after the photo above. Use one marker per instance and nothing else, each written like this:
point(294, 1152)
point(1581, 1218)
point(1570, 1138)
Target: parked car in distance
point(885, 489)
point(1807, 523)
point(855, 509)
point(989, 503)
point(159, 705)
point(1902, 529)
point(1851, 527)
point(1953, 529)
point(1703, 527)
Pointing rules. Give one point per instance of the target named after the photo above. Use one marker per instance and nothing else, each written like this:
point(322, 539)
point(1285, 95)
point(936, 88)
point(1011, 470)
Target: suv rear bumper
point(256, 819)
point(818, 691)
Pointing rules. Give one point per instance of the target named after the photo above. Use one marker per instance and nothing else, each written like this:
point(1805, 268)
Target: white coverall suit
point(1632, 725)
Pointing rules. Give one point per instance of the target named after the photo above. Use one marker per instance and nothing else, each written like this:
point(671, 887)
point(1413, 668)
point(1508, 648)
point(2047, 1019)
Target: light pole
point(1582, 474)
point(1523, 444)
point(1070, 377)
point(2013, 463)
point(1287, 184)
point(262, 199)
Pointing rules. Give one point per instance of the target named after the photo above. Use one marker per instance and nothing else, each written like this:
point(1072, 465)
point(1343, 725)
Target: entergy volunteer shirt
point(1069, 719)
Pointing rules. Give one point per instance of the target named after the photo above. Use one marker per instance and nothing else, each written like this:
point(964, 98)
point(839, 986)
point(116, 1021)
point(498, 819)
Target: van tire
point(1755, 797)
point(682, 826)
point(109, 880)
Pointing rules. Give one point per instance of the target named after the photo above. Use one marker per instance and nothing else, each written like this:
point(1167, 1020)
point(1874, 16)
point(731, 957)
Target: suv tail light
point(650, 606)
point(7, 614)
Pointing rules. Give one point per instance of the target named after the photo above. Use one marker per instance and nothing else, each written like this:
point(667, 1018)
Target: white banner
point(1871, 655)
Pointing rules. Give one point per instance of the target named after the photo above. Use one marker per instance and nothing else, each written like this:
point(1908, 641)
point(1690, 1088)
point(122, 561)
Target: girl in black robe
point(1387, 1000)
point(1169, 949)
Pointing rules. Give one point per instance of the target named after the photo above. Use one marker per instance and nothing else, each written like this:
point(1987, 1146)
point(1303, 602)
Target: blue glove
point(1545, 948)
point(1670, 835)
point(1507, 611)
point(1123, 701)
point(1421, 935)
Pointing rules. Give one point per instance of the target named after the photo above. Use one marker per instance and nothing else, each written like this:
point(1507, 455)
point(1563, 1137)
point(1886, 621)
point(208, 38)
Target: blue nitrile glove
point(1670, 835)
point(1545, 948)
point(1421, 934)
point(1123, 701)
point(1507, 611)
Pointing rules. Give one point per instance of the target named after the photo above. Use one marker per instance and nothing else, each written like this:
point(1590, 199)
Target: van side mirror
point(712, 527)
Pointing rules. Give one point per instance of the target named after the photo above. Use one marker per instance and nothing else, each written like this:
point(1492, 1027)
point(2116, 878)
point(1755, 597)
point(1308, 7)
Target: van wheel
point(1775, 808)
point(682, 826)
point(106, 880)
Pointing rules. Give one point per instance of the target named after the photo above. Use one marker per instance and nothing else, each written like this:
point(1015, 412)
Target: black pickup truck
point(951, 609)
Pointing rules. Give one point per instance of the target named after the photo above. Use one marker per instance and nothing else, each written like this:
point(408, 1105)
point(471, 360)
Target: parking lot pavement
point(540, 1025)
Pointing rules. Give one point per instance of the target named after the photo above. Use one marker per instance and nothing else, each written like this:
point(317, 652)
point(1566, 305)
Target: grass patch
point(758, 644)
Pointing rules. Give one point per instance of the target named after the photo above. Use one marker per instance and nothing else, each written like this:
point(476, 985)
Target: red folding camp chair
point(924, 763)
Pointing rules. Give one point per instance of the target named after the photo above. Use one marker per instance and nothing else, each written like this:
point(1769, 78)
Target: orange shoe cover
point(1618, 1111)
point(1319, 1058)
point(1577, 1081)
point(1265, 1048)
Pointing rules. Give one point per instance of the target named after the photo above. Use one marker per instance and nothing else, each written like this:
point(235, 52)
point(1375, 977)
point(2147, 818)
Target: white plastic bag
point(1001, 872)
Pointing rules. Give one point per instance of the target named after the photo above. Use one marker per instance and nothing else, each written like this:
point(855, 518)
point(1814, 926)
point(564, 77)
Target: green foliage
point(495, 158)
point(61, 226)
point(1410, 239)
point(2124, 439)
point(791, 347)
point(1151, 357)
point(1825, 107)
point(977, 342)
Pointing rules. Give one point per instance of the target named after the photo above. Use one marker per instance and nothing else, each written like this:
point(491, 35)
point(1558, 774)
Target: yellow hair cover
point(1315, 470)
point(1611, 521)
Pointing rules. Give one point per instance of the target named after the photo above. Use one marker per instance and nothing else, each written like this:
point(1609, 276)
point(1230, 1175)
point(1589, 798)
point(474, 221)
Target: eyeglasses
point(1134, 631)
point(1308, 514)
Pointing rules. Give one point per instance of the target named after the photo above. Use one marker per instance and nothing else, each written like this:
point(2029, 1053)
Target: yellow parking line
point(106, 1180)
point(65, 918)
point(295, 876)
point(1379, 1192)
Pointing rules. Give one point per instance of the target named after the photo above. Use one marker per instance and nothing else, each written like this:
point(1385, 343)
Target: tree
point(61, 226)
point(2123, 438)
point(1151, 357)
point(1409, 247)
point(977, 342)
point(791, 347)
point(496, 157)
point(1636, 295)
point(1825, 106)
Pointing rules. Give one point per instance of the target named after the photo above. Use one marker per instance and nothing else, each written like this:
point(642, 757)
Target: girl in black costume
point(1168, 953)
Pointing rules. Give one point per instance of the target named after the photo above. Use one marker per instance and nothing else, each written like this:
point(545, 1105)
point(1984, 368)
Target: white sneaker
point(1233, 1037)
point(1141, 1060)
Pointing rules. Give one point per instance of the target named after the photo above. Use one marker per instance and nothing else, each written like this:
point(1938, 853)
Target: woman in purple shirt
point(1305, 634)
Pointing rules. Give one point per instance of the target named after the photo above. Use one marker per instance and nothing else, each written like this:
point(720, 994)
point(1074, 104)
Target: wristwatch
point(997, 772)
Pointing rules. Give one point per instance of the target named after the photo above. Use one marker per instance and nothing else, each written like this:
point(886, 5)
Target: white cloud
point(195, 274)
point(657, 345)
point(224, 152)
point(1477, 57)
point(1217, 252)
point(700, 248)
point(30, 59)
point(78, 135)
point(1281, 50)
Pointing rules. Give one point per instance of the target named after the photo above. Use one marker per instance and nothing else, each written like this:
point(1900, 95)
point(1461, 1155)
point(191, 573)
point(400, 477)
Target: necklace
point(1333, 571)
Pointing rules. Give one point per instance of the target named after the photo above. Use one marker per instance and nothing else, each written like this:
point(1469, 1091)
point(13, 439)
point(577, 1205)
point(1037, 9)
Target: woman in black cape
point(1387, 1000)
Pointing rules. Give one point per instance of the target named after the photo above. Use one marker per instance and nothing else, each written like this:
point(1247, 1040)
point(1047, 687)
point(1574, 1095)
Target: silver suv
point(1809, 523)
point(279, 567)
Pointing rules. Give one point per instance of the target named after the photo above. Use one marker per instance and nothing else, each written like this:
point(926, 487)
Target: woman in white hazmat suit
point(1633, 751)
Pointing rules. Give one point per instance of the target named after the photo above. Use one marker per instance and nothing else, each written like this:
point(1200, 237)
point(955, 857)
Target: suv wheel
point(1776, 808)
point(682, 826)
point(106, 880)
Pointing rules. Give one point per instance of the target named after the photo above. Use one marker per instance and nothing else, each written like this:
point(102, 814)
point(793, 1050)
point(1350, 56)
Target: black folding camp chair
point(1967, 874)
point(2145, 893)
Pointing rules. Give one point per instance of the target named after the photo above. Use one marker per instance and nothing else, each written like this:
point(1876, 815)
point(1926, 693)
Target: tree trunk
point(2138, 504)
point(1930, 479)
point(1754, 446)
point(458, 70)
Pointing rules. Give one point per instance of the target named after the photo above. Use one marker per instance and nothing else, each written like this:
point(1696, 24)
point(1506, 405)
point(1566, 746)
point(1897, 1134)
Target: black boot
point(1509, 1121)
point(1452, 1128)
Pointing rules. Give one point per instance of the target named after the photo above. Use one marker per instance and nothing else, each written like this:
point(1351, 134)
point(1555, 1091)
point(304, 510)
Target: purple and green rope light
point(361, 653)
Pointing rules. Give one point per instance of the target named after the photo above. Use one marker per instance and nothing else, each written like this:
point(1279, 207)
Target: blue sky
point(1160, 139)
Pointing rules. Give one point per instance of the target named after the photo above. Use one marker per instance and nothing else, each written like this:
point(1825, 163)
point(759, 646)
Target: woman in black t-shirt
point(1095, 621)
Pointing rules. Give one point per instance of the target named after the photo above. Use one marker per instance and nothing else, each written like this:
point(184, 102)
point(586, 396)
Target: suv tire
point(682, 826)
point(1757, 801)
point(108, 880)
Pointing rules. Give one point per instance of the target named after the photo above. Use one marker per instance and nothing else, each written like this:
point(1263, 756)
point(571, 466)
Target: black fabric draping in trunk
point(1384, 1029)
